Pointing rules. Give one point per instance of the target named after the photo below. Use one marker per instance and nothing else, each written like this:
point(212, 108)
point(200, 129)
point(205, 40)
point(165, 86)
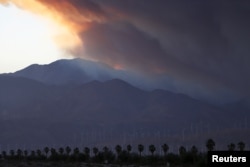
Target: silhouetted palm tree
point(19, 153)
point(165, 149)
point(46, 150)
point(76, 151)
point(12, 153)
point(33, 154)
point(129, 148)
point(61, 150)
point(118, 149)
point(140, 148)
point(194, 152)
point(108, 155)
point(182, 150)
point(241, 146)
point(231, 147)
point(53, 151)
point(68, 150)
point(39, 152)
point(95, 151)
point(4, 153)
point(210, 144)
point(105, 149)
point(87, 152)
point(152, 149)
point(25, 152)
point(123, 155)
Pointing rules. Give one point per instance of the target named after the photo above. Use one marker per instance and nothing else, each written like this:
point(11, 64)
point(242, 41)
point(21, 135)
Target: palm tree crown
point(140, 148)
point(210, 144)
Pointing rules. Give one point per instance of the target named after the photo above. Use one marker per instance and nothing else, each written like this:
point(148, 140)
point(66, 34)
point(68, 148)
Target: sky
point(198, 47)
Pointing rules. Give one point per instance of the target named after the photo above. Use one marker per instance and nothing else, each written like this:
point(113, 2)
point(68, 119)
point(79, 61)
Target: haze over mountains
point(79, 102)
point(76, 71)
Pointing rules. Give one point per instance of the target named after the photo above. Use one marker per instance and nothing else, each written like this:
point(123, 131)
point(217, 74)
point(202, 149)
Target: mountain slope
point(114, 110)
point(76, 71)
point(80, 71)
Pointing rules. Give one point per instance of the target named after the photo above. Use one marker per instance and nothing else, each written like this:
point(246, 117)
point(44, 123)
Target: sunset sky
point(196, 45)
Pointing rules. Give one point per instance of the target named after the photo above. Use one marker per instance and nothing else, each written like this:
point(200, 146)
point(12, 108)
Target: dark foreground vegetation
point(96, 157)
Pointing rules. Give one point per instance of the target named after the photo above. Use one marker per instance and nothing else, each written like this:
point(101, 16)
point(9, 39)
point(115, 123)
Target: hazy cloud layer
point(201, 46)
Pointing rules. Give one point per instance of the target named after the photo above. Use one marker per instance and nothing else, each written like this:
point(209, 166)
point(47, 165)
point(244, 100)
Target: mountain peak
point(76, 71)
point(65, 71)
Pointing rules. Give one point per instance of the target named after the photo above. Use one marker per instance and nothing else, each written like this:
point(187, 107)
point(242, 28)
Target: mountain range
point(79, 102)
point(75, 71)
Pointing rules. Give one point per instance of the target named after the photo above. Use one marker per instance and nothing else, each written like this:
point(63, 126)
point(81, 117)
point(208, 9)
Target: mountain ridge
point(110, 108)
point(66, 71)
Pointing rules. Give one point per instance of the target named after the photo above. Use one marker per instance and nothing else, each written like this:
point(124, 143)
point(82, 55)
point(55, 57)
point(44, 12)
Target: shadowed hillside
point(33, 113)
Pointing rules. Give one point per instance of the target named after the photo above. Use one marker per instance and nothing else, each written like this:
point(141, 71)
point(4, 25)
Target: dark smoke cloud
point(201, 46)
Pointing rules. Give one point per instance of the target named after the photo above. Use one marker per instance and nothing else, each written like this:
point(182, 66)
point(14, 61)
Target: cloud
point(199, 42)
point(196, 44)
point(77, 12)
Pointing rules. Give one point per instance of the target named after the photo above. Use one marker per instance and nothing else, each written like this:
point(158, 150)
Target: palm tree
point(87, 152)
point(182, 150)
point(76, 151)
point(194, 152)
point(33, 154)
point(210, 144)
point(165, 149)
point(53, 154)
point(241, 146)
point(53, 151)
point(95, 151)
point(4, 153)
point(140, 148)
point(19, 153)
point(68, 150)
point(61, 150)
point(39, 152)
point(129, 148)
point(105, 149)
point(46, 150)
point(231, 147)
point(118, 149)
point(12, 153)
point(152, 149)
point(25, 152)
point(106, 153)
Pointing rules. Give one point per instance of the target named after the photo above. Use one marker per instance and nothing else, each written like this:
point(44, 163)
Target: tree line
point(120, 155)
